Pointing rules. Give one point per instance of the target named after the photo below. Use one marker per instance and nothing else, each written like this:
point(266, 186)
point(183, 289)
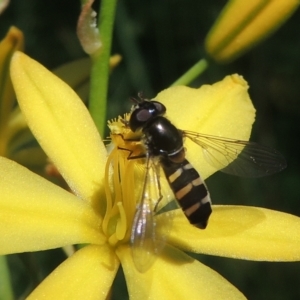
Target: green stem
point(192, 73)
point(6, 291)
point(100, 68)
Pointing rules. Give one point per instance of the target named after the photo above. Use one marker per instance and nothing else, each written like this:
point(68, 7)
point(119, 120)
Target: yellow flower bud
point(243, 24)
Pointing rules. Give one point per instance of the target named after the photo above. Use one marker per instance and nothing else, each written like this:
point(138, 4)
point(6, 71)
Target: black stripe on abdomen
point(189, 191)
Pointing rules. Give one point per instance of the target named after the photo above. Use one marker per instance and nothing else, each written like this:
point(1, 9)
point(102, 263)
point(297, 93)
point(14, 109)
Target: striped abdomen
point(189, 191)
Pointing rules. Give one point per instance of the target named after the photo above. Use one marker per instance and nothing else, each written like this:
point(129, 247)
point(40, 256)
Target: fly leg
point(160, 196)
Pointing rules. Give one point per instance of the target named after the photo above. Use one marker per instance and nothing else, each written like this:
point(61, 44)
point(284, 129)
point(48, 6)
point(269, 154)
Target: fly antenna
point(141, 96)
point(135, 100)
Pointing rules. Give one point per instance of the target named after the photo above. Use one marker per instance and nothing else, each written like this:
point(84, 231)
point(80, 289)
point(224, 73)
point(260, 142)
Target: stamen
point(116, 125)
point(122, 223)
point(120, 186)
point(113, 240)
point(129, 192)
point(113, 192)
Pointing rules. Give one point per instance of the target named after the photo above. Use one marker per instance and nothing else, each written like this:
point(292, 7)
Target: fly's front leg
point(131, 156)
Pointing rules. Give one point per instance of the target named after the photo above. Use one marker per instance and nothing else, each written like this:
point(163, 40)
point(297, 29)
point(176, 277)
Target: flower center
point(121, 183)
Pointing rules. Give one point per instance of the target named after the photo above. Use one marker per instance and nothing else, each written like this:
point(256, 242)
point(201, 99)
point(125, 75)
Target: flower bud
point(243, 24)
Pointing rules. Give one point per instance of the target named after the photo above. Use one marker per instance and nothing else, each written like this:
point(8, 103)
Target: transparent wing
point(235, 157)
point(146, 243)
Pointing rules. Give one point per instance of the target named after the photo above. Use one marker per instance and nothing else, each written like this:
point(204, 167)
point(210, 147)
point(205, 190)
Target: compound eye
point(143, 115)
point(160, 108)
point(139, 118)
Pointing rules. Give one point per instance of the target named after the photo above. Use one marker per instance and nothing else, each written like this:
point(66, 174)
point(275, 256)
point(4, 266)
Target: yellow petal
point(175, 275)
point(243, 24)
point(242, 232)
point(88, 274)
point(62, 125)
point(12, 42)
point(37, 215)
point(223, 109)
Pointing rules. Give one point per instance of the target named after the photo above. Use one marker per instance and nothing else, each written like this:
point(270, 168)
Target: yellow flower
point(37, 215)
point(243, 24)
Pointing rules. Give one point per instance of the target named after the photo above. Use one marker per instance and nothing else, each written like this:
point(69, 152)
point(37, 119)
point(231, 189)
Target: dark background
point(159, 41)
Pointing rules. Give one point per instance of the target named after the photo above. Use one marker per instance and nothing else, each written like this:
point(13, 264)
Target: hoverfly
point(164, 149)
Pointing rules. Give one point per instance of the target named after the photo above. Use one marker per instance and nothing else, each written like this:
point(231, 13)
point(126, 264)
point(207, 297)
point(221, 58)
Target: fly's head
point(143, 111)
